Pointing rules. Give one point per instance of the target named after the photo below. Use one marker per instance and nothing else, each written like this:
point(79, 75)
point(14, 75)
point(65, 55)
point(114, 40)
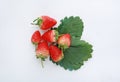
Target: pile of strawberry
point(62, 44)
point(50, 44)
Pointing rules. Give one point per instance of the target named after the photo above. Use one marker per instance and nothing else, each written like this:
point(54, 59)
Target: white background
point(102, 29)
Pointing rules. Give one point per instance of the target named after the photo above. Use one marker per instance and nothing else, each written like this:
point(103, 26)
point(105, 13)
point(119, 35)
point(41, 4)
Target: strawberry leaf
point(75, 56)
point(71, 25)
point(75, 41)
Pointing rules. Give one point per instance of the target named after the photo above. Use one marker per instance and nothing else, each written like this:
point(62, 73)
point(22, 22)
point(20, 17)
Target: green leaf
point(71, 25)
point(75, 41)
point(75, 56)
point(79, 50)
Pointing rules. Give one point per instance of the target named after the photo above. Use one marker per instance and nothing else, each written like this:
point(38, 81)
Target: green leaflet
point(75, 41)
point(80, 50)
point(71, 25)
point(74, 57)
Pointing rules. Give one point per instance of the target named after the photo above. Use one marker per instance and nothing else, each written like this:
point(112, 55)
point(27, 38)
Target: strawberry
point(45, 22)
point(42, 50)
point(64, 41)
point(55, 53)
point(50, 36)
point(36, 37)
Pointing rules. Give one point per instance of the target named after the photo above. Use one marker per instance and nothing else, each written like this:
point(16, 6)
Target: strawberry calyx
point(35, 43)
point(63, 47)
point(41, 56)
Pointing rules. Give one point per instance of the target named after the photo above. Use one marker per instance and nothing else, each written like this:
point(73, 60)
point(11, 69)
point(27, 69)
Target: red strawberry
point(45, 22)
point(42, 50)
point(36, 37)
point(50, 36)
point(55, 53)
point(64, 41)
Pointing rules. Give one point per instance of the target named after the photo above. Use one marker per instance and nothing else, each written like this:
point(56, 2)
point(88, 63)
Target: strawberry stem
point(42, 63)
point(37, 21)
point(36, 46)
